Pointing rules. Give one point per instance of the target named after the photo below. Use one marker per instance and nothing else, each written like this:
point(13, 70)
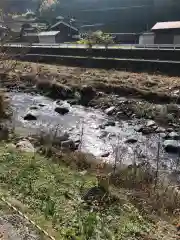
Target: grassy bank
point(51, 194)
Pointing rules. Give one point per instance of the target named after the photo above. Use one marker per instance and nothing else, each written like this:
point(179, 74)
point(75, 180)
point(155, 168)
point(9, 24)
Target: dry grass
point(151, 87)
point(4, 105)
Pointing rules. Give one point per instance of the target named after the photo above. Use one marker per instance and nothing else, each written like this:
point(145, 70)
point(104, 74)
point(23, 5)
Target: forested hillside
point(116, 15)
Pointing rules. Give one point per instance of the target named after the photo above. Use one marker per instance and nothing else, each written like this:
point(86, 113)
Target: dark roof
point(166, 25)
point(64, 23)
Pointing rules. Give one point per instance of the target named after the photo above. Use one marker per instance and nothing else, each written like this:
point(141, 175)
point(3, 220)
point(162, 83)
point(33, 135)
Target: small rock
point(139, 129)
point(163, 135)
point(11, 146)
point(110, 123)
point(160, 130)
point(102, 126)
point(103, 134)
point(73, 101)
point(105, 155)
point(61, 110)
point(63, 137)
point(69, 144)
point(150, 123)
point(83, 173)
point(148, 130)
point(33, 108)
point(171, 146)
point(169, 129)
point(110, 111)
point(119, 114)
point(94, 193)
point(30, 117)
point(25, 146)
point(174, 135)
point(42, 105)
point(110, 135)
point(131, 140)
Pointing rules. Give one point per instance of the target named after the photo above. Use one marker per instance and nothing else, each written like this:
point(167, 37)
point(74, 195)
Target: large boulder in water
point(109, 111)
point(30, 117)
point(171, 146)
point(69, 144)
point(60, 91)
point(87, 94)
point(61, 110)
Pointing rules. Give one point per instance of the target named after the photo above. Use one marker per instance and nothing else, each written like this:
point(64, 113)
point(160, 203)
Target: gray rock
point(174, 135)
point(105, 154)
point(103, 134)
point(83, 173)
point(110, 123)
point(87, 93)
point(63, 137)
point(163, 135)
point(110, 111)
point(111, 135)
point(102, 126)
point(42, 105)
point(169, 130)
point(30, 117)
point(119, 114)
point(171, 146)
point(160, 130)
point(150, 123)
point(73, 101)
point(11, 146)
point(131, 140)
point(148, 130)
point(33, 108)
point(25, 146)
point(61, 110)
point(69, 144)
point(139, 129)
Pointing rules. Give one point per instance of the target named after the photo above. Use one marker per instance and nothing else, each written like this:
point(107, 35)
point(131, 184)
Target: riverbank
point(58, 191)
point(148, 96)
point(58, 199)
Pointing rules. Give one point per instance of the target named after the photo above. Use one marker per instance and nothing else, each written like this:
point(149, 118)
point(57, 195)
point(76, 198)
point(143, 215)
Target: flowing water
point(83, 123)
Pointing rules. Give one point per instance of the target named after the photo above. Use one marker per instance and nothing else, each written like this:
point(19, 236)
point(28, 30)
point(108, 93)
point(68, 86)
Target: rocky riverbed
point(95, 131)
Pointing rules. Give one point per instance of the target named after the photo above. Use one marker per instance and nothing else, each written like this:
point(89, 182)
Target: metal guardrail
point(96, 46)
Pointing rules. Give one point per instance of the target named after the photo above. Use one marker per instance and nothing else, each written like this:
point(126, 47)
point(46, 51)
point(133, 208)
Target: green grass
point(50, 194)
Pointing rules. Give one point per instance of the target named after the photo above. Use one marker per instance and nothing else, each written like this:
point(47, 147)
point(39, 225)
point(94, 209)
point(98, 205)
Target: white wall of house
point(47, 39)
point(146, 38)
point(177, 39)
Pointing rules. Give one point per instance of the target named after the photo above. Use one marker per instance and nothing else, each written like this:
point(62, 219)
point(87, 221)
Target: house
point(50, 37)
point(67, 30)
point(146, 38)
point(166, 32)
